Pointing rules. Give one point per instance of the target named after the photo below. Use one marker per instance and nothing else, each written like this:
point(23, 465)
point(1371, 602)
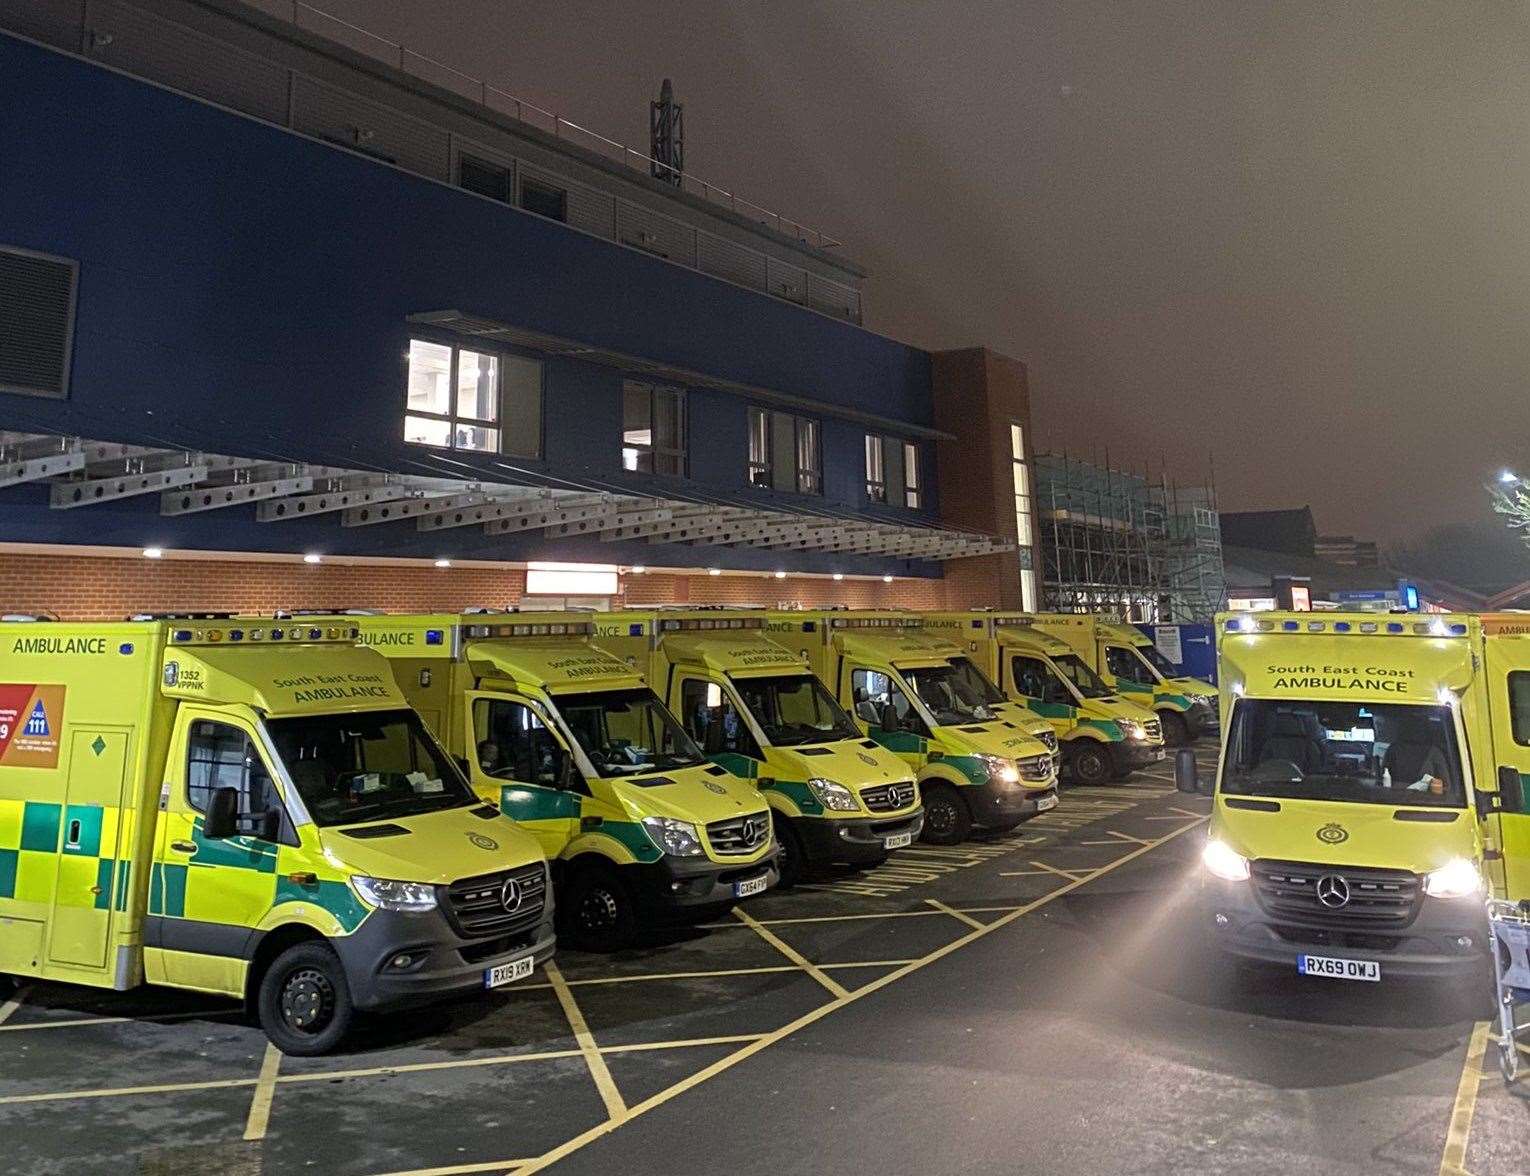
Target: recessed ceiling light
point(714, 571)
point(443, 563)
point(887, 579)
point(780, 575)
point(153, 552)
point(839, 575)
point(638, 570)
point(312, 557)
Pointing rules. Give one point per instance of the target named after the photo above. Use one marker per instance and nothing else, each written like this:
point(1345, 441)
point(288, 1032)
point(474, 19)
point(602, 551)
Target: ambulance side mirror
point(889, 717)
point(1511, 790)
point(1187, 777)
point(221, 820)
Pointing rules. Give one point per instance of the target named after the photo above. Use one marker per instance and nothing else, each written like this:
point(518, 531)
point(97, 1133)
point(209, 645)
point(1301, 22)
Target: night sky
point(1292, 240)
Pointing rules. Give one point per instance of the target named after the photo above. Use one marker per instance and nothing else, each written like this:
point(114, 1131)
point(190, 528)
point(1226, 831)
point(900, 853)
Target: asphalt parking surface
point(1035, 1002)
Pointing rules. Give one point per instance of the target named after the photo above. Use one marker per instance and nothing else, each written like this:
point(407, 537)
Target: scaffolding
point(1130, 545)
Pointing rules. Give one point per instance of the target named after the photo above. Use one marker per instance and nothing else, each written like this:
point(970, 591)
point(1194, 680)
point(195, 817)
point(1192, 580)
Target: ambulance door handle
point(184, 846)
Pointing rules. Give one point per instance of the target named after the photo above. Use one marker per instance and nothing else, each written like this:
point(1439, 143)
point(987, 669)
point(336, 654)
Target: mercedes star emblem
point(1333, 891)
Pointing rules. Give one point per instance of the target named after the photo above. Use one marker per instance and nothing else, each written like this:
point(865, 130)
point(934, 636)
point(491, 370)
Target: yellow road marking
point(378, 1071)
point(616, 1107)
point(1071, 875)
point(9, 1007)
point(1124, 836)
point(1453, 1161)
point(1187, 813)
point(704, 974)
point(76, 1022)
point(792, 954)
point(568, 1147)
point(265, 1089)
point(954, 913)
point(505, 1166)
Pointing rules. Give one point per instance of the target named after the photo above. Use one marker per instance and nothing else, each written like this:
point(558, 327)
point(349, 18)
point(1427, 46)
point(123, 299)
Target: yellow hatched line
point(568, 1147)
point(76, 1022)
point(505, 1166)
point(265, 1090)
point(1071, 875)
point(954, 913)
point(8, 1009)
point(616, 1107)
point(1452, 1162)
point(792, 954)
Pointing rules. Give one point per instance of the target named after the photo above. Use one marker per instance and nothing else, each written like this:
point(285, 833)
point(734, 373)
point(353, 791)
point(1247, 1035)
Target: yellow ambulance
point(974, 768)
point(1103, 736)
point(757, 710)
point(570, 741)
point(1371, 790)
point(1128, 662)
point(249, 809)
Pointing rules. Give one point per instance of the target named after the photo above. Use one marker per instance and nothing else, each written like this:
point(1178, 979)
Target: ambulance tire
point(793, 854)
point(1090, 763)
point(304, 1002)
point(1176, 732)
point(597, 910)
point(947, 820)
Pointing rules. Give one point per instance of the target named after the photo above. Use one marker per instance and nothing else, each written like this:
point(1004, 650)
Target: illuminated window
point(461, 398)
point(892, 471)
point(653, 429)
point(785, 452)
point(1020, 472)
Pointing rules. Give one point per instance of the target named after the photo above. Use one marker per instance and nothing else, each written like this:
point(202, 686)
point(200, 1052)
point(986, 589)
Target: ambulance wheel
point(792, 857)
point(597, 910)
point(946, 819)
point(1090, 764)
point(304, 1003)
point(1176, 732)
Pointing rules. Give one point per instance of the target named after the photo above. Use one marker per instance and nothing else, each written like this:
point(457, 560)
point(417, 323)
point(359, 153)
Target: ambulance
point(1104, 736)
point(569, 741)
point(252, 810)
point(756, 709)
point(1371, 790)
point(974, 768)
point(1128, 662)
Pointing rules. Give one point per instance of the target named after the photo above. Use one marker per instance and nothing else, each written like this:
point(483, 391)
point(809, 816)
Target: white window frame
point(911, 493)
point(681, 452)
point(452, 419)
point(762, 467)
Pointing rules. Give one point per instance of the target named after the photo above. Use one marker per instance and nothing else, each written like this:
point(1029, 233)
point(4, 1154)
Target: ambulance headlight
point(1200, 700)
point(676, 838)
point(395, 896)
point(833, 796)
point(1224, 862)
point(1459, 878)
point(1001, 770)
point(1132, 729)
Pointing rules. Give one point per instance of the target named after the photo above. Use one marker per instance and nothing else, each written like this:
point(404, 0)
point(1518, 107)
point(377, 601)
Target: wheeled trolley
point(1510, 923)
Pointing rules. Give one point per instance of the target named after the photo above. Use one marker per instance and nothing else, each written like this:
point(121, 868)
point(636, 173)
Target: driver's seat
point(1290, 741)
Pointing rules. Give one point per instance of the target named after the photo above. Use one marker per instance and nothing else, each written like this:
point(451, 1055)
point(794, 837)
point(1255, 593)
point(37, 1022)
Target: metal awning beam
point(539, 502)
point(565, 512)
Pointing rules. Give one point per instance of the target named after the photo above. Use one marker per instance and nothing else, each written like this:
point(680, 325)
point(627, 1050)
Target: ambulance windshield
point(1085, 681)
point(975, 682)
point(794, 710)
point(368, 767)
point(949, 694)
point(1151, 655)
point(627, 732)
point(1367, 753)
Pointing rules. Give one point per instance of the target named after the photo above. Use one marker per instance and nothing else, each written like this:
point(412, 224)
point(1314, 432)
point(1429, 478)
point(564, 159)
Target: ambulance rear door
point(1508, 675)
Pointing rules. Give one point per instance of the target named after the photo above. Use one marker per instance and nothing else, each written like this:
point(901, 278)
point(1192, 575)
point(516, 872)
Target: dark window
point(1124, 664)
point(874, 692)
point(223, 756)
point(1035, 679)
point(712, 720)
point(36, 322)
point(1519, 706)
point(544, 199)
point(487, 179)
point(653, 429)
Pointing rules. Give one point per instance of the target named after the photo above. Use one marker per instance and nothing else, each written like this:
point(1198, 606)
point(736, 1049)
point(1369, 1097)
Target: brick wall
point(89, 587)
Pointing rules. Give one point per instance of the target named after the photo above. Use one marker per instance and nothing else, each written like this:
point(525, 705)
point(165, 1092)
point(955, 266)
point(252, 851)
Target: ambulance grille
point(1037, 768)
point(888, 798)
point(1377, 898)
point(477, 905)
point(1154, 730)
point(739, 834)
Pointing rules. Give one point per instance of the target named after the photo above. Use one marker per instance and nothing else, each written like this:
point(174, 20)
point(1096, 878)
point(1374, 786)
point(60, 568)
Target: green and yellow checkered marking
point(41, 843)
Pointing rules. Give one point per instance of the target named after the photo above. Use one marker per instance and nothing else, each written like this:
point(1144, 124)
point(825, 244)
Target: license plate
point(1046, 802)
point(898, 841)
point(509, 973)
point(750, 886)
point(1336, 969)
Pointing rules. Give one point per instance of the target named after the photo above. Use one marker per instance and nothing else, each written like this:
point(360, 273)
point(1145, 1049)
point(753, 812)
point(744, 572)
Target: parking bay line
point(1071, 875)
point(707, 974)
point(377, 1071)
point(568, 1147)
point(616, 1106)
point(8, 1009)
point(76, 1022)
point(954, 913)
point(265, 1089)
point(1452, 1162)
point(838, 990)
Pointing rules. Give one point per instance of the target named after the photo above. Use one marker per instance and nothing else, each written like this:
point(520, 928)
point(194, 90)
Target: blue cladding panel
point(244, 289)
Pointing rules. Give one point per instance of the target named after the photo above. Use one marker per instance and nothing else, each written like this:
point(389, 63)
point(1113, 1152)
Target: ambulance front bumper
point(1446, 938)
point(1004, 804)
point(395, 959)
point(860, 839)
point(681, 888)
point(1131, 754)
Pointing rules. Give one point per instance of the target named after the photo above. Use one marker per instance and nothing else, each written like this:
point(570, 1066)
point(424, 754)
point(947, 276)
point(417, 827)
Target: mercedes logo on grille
point(1333, 891)
point(755, 829)
point(510, 895)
